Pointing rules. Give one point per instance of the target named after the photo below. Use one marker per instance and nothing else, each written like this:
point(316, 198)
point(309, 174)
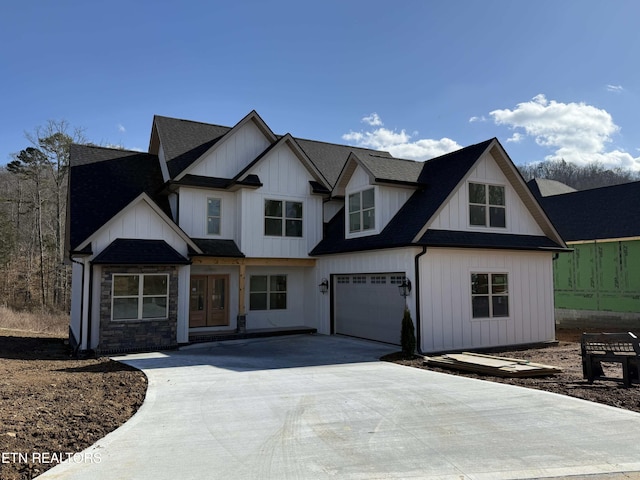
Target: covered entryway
point(369, 306)
point(208, 301)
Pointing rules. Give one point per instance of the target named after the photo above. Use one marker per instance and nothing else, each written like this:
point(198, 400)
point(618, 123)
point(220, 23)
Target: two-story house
point(219, 229)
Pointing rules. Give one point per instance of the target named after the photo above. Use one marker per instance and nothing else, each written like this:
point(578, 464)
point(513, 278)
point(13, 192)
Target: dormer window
point(362, 211)
point(487, 205)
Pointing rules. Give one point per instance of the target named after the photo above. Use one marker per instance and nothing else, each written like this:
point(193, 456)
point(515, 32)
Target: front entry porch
point(204, 337)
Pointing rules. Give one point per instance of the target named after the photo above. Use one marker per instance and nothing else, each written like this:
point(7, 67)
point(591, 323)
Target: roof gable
point(288, 141)
point(183, 141)
point(380, 169)
point(103, 181)
point(251, 119)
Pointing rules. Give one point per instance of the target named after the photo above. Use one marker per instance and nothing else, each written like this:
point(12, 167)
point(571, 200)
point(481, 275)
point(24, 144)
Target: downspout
point(90, 305)
point(79, 343)
point(417, 290)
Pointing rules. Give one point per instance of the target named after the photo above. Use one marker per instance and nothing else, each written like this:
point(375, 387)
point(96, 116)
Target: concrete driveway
point(313, 407)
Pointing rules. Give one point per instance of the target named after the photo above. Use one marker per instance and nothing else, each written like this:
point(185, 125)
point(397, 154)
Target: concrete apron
point(323, 407)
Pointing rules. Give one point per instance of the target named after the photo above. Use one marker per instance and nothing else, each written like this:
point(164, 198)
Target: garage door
point(369, 306)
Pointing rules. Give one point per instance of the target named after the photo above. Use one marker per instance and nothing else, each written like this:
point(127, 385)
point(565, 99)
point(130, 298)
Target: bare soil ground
point(566, 355)
point(53, 404)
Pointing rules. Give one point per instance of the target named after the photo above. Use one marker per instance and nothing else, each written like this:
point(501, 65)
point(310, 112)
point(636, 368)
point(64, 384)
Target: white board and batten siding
point(138, 221)
point(293, 314)
point(388, 200)
point(445, 300)
point(284, 178)
point(193, 212)
point(454, 214)
point(233, 153)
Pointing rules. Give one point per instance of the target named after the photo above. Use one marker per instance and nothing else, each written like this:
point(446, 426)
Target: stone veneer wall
point(131, 335)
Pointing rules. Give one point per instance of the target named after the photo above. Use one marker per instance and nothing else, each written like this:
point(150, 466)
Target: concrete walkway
point(314, 407)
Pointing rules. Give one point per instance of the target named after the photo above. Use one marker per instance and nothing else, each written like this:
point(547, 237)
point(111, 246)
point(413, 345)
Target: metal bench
point(622, 348)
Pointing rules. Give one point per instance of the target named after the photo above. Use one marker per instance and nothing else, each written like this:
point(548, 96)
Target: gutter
point(417, 290)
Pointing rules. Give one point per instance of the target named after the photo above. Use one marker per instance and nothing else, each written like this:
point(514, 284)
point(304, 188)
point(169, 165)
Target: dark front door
point(208, 302)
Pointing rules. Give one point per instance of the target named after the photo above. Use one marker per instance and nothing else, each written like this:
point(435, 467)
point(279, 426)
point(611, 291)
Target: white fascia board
point(347, 172)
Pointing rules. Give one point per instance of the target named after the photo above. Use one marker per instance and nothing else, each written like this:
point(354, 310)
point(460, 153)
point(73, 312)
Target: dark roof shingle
point(102, 181)
point(128, 251)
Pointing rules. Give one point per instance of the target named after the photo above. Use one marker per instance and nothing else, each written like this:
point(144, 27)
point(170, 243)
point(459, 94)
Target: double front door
point(209, 300)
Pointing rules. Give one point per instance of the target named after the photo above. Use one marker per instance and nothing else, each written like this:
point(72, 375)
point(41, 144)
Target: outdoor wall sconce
point(405, 287)
point(324, 286)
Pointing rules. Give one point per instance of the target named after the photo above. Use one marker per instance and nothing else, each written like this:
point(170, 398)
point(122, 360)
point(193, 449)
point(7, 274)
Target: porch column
point(242, 310)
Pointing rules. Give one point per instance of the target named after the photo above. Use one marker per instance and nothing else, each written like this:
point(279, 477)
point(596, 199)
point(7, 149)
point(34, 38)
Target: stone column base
point(242, 323)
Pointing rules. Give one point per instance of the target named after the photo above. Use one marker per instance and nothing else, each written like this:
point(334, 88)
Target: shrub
point(407, 334)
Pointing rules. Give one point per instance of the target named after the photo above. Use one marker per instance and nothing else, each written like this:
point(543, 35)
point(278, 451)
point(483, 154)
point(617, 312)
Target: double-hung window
point(268, 292)
point(282, 218)
point(490, 295)
point(140, 296)
point(213, 216)
point(487, 205)
point(362, 211)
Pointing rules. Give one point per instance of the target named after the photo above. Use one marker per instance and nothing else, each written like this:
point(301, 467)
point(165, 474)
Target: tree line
point(34, 273)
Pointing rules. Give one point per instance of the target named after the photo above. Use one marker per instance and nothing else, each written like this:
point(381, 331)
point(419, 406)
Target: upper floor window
point(487, 205)
point(282, 218)
point(213, 216)
point(489, 295)
point(362, 211)
point(140, 296)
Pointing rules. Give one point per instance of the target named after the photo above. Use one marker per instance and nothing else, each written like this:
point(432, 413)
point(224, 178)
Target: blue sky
point(550, 79)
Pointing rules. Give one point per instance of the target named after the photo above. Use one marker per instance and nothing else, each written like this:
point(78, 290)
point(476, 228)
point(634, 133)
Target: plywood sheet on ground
point(491, 365)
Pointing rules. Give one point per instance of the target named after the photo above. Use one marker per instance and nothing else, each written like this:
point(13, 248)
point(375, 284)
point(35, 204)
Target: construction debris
point(491, 365)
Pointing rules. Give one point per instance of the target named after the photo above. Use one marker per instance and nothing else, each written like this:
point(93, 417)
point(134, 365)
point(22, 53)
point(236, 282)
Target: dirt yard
point(53, 405)
point(566, 355)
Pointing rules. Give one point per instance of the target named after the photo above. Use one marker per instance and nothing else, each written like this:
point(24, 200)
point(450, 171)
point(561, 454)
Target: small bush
point(408, 334)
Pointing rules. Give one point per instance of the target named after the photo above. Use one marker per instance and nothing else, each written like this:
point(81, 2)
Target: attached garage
point(368, 306)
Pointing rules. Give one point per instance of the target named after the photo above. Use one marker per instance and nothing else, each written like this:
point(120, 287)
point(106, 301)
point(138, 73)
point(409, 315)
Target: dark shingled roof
point(395, 171)
point(102, 181)
point(184, 141)
point(126, 251)
point(598, 213)
point(218, 248)
point(439, 177)
point(450, 238)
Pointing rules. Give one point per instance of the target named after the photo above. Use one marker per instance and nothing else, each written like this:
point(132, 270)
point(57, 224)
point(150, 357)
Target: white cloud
point(121, 128)
point(615, 88)
point(576, 132)
point(481, 118)
point(516, 137)
point(373, 120)
point(400, 144)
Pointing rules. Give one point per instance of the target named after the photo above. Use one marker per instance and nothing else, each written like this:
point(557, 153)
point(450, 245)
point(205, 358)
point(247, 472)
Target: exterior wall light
point(324, 286)
point(405, 287)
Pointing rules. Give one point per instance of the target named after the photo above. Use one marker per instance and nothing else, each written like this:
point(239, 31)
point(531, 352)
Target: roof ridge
point(193, 121)
point(341, 145)
point(113, 149)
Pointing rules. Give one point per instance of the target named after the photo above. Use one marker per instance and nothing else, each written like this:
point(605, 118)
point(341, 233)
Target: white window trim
point(269, 292)
point(140, 296)
point(490, 271)
point(376, 212)
point(206, 217)
point(487, 225)
point(284, 217)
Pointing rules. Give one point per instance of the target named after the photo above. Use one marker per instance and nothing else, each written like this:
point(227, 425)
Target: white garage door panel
point(367, 308)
